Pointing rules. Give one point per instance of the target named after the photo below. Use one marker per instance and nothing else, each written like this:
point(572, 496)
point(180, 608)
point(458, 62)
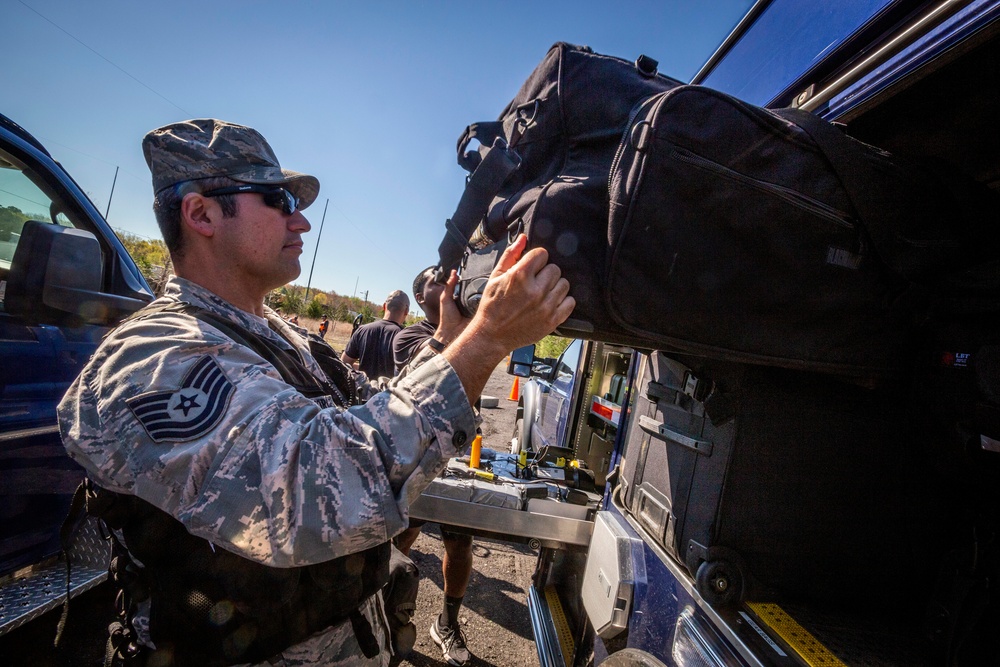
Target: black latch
point(646, 66)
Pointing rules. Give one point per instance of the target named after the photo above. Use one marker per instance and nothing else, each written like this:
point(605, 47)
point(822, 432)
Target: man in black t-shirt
point(413, 338)
point(370, 347)
point(456, 566)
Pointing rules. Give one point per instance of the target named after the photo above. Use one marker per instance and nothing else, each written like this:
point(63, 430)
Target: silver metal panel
point(35, 591)
point(613, 569)
point(89, 549)
point(548, 530)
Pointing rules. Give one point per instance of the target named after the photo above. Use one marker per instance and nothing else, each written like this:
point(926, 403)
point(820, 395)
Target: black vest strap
point(211, 607)
point(341, 389)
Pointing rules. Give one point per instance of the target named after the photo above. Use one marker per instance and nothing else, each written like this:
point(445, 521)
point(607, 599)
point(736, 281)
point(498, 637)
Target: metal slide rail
point(544, 628)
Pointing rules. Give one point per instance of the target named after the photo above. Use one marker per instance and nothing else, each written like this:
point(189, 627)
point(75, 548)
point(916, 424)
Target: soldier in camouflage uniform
point(173, 411)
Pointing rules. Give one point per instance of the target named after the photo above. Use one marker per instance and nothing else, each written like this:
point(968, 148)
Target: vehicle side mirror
point(56, 276)
point(521, 361)
point(545, 368)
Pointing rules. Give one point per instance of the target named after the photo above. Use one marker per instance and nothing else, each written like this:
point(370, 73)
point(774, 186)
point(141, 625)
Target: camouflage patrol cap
point(207, 148)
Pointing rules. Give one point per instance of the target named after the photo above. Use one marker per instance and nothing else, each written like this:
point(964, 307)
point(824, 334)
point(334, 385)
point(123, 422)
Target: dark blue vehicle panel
point(658, 603)
point(39, 359)
point(786, 52)
point(754, 70)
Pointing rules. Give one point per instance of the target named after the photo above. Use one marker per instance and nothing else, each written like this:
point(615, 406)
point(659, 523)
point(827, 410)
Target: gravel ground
point(494, 616)
point(495, 610)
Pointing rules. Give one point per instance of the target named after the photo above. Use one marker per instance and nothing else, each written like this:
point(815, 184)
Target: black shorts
point(448, 532)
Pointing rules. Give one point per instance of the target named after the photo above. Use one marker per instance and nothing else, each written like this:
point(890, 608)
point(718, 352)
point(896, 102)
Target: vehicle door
point(38, 360)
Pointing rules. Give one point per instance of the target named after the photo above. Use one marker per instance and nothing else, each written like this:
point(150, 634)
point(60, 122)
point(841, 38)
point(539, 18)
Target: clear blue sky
point(368, 96)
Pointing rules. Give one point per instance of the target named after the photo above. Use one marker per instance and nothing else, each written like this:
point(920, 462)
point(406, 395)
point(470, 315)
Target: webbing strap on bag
point(869, 200)
point(486, 133)
point(480, 189)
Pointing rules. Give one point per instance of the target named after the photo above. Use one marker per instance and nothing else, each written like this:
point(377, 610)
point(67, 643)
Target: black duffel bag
point(687, 220)
point(772, 237)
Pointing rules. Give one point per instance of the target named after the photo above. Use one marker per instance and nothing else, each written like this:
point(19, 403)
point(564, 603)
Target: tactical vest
point(208, 606)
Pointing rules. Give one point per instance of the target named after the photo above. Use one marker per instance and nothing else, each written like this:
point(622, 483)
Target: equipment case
point(767, 481)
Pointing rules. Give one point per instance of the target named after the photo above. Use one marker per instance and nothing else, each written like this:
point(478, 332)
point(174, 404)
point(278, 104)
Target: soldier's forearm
point(474, 356)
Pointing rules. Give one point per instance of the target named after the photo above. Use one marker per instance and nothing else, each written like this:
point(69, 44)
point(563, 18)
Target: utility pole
point(315, 252)
point(108, 209)
point(356, 287)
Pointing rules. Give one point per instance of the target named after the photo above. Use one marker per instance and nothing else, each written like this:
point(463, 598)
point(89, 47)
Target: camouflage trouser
point(337, 647)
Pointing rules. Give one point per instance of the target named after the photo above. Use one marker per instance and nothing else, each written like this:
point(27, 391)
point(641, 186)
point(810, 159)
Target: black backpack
point(542, 168)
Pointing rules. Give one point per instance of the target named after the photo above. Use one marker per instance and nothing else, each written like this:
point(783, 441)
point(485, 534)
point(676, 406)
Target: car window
point(21, 199)
point(755, 71)
point(566, 368)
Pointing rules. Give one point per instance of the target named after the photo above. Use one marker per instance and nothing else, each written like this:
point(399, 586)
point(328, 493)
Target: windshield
point(754, 70)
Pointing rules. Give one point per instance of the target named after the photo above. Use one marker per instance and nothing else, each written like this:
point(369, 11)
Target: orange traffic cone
point(515, 391)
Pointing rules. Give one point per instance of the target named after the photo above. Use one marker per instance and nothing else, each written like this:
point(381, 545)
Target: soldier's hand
point(525, 299)
point(452, 323)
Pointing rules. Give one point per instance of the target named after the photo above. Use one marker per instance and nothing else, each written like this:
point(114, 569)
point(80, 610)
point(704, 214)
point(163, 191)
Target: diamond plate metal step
point(35, 591)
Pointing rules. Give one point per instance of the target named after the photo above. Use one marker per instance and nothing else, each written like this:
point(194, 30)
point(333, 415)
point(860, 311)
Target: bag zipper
point(625, 137)
point(793, 197)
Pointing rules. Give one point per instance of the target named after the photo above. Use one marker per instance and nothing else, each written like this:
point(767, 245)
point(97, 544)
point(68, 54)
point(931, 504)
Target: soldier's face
point(264, 243)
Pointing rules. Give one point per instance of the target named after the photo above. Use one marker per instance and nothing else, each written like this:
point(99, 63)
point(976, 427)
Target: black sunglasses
point(274, 197)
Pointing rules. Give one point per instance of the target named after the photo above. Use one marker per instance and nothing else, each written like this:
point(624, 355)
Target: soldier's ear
point(199, 214)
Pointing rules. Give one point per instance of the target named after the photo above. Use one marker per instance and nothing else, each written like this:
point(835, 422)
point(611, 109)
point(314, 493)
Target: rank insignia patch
point(189, 412)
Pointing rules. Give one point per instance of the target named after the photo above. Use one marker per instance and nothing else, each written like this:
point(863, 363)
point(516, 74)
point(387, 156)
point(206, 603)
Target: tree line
point(153, 260)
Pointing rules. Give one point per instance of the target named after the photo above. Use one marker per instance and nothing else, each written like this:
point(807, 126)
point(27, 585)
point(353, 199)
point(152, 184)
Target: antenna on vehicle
point(315, 251)
point(108, 209)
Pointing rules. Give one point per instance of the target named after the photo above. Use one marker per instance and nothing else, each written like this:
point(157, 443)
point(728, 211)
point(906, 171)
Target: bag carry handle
point(486, 133)
point(480, 189)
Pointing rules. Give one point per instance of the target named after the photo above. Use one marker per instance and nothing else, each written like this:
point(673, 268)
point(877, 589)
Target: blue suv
point(65, 278)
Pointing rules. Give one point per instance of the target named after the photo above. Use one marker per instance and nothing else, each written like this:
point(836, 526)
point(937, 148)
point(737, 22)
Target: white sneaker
point(452, 643)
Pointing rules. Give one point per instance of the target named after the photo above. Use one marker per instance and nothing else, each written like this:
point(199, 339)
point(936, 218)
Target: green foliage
point(316, 308)
point(150, 255)
point(341, 313)
point(289, 299)
point(11, 221)
point(551, 346)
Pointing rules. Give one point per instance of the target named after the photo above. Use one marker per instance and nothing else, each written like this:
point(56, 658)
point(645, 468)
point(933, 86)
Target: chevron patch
point(189, 412)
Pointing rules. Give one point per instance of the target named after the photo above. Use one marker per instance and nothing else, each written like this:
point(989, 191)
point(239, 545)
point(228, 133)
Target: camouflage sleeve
point(367, 388)
point(207, 431)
